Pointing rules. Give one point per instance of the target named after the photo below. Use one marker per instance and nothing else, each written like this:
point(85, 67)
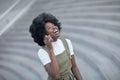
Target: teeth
point(55, 31)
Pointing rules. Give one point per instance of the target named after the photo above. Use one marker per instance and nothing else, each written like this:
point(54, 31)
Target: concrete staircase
point(93, 26)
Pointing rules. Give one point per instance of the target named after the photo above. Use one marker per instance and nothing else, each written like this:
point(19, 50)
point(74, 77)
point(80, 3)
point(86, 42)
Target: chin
point(56, 37)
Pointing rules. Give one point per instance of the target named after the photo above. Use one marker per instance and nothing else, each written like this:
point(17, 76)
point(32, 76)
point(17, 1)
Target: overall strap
point(66, 46)
point(45, 48)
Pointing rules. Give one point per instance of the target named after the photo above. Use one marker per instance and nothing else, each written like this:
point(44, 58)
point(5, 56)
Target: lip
point(56, 32)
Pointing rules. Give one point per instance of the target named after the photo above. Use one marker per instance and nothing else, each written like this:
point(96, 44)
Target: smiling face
point(52, 30)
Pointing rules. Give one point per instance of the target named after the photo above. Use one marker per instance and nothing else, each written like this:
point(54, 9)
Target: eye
point(49, 27)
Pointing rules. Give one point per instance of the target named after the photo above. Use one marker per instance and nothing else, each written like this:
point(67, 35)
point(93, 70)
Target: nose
point(54, 28)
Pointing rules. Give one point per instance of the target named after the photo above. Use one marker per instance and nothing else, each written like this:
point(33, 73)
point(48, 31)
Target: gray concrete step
point(92, 26)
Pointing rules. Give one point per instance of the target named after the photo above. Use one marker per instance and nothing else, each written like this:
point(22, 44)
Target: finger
point(49, 39)
point(44, 41)
point(46, 36)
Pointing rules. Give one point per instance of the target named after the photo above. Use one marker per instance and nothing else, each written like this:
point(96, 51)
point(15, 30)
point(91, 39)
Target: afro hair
point(37, 28)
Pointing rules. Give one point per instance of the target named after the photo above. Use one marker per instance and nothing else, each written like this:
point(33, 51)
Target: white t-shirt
point(58, 49)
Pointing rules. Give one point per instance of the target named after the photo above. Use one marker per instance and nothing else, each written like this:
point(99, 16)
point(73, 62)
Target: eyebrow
point(49, 26)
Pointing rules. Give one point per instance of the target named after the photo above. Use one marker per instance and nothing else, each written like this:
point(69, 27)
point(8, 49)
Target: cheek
point(49, 32)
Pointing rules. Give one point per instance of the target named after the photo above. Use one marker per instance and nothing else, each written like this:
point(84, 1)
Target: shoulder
point(42, 53)
point(68, 40)
point(43, 56)
point(70, 46)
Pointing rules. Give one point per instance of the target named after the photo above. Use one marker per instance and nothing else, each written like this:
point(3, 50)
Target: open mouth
point(56, 32)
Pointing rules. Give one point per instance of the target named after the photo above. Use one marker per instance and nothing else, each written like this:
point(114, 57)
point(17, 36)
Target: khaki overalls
point(64, 62)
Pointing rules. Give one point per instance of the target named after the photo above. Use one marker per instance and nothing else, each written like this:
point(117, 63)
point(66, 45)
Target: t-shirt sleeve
point(70, 46)
point(43, 56)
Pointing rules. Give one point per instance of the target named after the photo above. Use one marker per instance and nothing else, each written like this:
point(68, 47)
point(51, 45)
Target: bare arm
point(52, 67)
point(75, 69)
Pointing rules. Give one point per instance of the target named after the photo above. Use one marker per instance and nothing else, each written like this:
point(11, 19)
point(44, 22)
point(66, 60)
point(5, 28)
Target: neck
point(55, 39)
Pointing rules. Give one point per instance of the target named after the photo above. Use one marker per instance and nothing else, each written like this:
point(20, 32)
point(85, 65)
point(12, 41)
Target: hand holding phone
point(47, 40)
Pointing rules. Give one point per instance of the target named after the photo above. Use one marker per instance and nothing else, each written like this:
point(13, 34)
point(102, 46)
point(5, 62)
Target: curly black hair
point(37, 28)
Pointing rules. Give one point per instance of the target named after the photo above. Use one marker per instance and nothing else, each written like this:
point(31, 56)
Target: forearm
point(54, 65)
point(76, 73)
